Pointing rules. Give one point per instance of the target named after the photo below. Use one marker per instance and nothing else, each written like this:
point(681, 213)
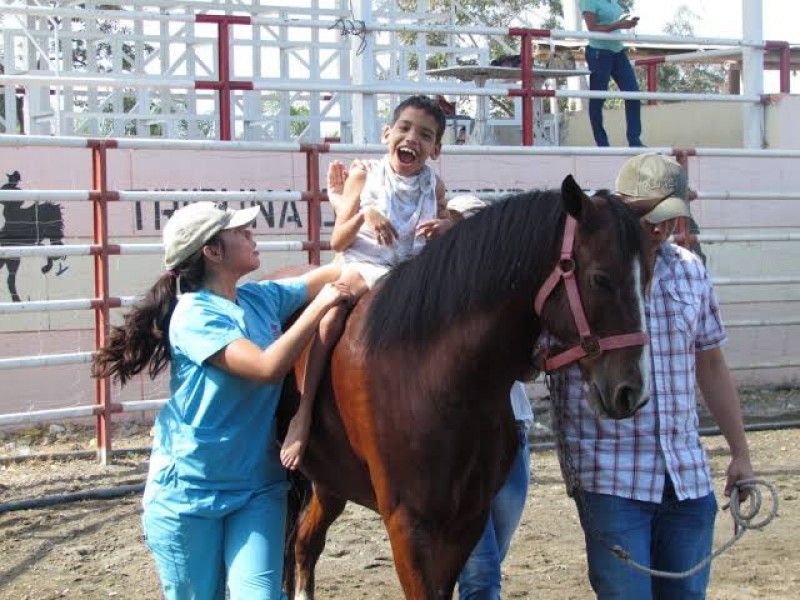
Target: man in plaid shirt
point(646, 483)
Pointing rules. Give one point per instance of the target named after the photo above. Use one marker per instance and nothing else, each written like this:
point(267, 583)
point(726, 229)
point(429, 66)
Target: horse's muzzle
point(620, 403)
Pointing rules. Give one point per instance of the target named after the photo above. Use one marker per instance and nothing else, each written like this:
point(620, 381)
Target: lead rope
point(742, 521)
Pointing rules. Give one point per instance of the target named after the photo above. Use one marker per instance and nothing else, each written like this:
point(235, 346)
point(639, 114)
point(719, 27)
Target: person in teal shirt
point(607, 59)
point(215, 498)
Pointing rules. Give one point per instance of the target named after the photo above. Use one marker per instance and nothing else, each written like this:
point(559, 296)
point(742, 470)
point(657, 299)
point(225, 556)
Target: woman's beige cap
point(652, 177)
point(190, 227)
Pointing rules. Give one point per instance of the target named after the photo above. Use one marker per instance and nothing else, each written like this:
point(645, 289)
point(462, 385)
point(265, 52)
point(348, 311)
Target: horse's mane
point(497, 250)
point(479, 262)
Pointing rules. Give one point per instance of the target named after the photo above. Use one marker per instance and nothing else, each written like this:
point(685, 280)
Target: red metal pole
point(785, 67)
point(784, 63)
point(224, 86)
point(314, 199)
point(526, 51)
point(652, 81)
point(100, 197)
point(684, 237)
point(527, 92)
point(223, 64)
point(651, 66)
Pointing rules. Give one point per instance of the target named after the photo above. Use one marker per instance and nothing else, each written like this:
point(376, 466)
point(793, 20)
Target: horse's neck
point(503, 337)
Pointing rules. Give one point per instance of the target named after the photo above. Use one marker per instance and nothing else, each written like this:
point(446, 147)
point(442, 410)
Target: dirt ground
point(93, 549)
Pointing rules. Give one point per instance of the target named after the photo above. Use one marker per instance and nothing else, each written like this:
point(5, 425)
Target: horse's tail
point(299, 486)
point(299, 495)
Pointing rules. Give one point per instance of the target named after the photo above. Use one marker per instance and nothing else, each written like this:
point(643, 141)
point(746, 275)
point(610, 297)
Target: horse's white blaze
point(644, 359)
point(300, 595)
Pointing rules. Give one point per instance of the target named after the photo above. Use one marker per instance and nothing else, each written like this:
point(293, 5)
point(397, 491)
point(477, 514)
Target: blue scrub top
point(606, 12)
point(214, 441)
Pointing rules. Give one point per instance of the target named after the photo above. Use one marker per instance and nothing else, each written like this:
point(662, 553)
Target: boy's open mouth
point(406, 155)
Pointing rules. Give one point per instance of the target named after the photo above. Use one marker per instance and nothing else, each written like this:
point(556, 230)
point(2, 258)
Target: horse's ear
point(573, 198)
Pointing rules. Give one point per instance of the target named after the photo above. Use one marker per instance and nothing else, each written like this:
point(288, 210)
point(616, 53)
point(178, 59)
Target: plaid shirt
point(630, 458)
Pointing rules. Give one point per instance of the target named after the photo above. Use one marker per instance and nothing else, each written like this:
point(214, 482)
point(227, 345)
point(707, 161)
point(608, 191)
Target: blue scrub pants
point(480, 577)
point(196, 554)
point(603, 65)
point(669, 536)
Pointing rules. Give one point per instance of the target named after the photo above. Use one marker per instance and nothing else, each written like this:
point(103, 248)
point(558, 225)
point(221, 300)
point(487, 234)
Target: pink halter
point(589, 345)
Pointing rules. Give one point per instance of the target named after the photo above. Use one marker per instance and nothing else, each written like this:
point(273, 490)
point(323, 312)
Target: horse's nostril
point(627, 399)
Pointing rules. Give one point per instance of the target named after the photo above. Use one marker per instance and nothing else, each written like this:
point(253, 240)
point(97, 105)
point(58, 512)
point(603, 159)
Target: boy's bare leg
point(330, 330)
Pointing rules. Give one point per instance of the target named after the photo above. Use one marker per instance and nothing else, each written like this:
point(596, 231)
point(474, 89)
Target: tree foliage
point(487, 13)
point(696, 78)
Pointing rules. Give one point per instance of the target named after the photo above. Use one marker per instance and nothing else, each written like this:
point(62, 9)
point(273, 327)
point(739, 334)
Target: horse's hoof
point(61, 269)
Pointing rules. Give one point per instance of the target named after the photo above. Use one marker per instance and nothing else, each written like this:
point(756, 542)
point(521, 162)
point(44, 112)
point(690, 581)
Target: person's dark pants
point(605, 65)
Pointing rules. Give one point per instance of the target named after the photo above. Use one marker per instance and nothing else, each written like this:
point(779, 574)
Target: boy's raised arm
point(349, 219)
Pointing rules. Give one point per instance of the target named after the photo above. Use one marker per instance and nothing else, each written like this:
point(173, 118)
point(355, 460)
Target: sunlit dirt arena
point(94, 549)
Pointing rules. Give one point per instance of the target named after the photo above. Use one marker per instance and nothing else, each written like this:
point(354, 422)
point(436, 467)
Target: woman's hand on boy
point(333, 294)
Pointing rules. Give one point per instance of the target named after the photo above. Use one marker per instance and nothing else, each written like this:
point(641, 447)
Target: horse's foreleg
point(412, 550)
point(323, 509)
point(452, 552)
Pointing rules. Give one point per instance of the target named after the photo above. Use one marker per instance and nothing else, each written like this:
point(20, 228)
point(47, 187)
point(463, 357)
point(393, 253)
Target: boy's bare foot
point(294, 445)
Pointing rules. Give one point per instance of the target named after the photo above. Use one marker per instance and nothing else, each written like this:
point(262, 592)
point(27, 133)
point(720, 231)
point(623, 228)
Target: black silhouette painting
point(29, 226)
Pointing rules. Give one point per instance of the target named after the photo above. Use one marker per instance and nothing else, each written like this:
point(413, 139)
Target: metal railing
point(101, 249)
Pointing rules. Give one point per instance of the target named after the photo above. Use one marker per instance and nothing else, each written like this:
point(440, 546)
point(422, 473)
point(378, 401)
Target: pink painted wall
point(61, 332)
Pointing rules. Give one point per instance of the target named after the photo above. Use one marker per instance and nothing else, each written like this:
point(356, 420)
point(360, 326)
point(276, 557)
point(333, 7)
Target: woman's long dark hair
point(143, 338)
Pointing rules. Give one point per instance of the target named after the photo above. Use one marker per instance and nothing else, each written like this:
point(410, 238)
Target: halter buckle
point(591, 345)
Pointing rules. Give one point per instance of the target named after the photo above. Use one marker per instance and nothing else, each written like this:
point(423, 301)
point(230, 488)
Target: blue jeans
point(195, 553)
point(603, 65)
point(670, 536)
point(480, 577)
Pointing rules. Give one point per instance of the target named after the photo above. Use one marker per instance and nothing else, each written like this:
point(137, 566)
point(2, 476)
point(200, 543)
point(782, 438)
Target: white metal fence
point(252, 71)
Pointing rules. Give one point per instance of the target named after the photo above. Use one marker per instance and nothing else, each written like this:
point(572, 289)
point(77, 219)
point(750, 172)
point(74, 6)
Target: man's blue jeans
point(605, 64)
point(480, 577)
point(669, 536)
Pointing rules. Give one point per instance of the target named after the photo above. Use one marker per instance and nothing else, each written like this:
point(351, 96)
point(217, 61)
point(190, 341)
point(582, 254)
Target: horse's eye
point(601, 281)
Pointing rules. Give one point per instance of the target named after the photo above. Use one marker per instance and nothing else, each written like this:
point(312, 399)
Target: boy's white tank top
point(405, 201)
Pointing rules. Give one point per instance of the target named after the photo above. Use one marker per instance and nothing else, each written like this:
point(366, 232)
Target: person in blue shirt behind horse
point(215, 499)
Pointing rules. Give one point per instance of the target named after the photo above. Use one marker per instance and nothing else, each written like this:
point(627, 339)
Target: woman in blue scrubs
point(215, 500)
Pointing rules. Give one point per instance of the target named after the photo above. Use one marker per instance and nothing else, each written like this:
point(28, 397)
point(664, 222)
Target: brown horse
point(413, 419)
